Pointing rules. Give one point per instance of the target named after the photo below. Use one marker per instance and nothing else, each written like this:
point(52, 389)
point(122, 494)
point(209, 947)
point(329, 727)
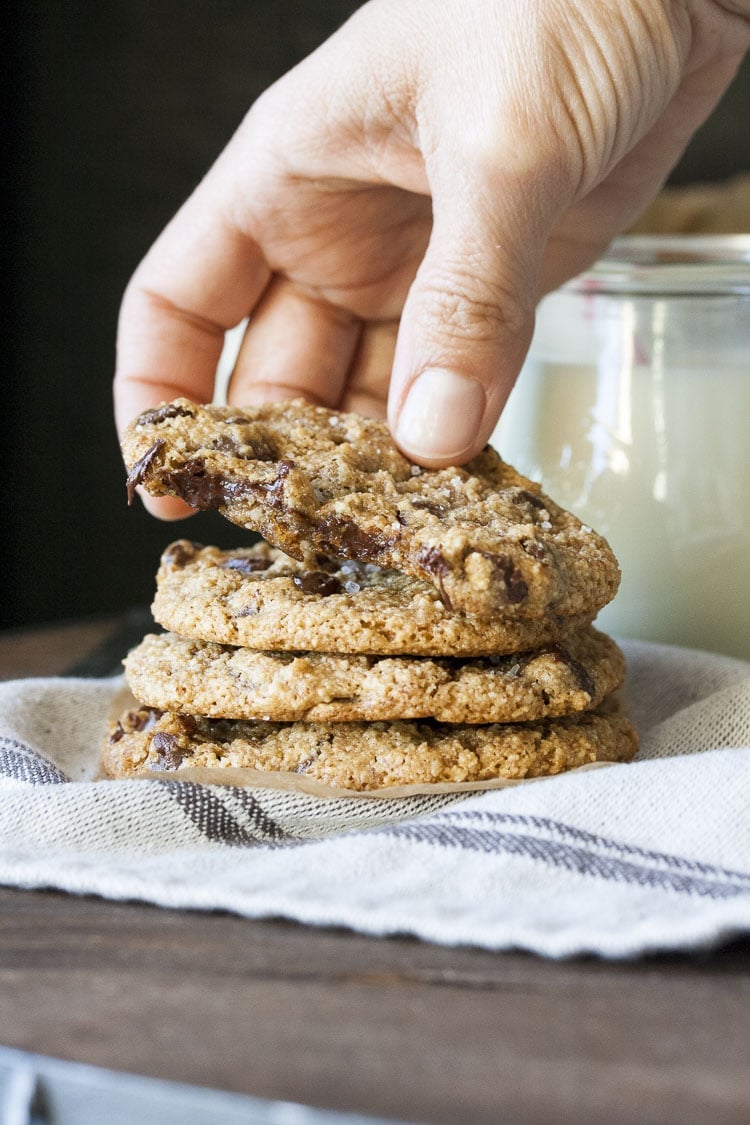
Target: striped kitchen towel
point(615, 861)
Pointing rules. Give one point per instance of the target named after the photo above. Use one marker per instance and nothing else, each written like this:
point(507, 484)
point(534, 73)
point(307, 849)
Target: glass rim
point(655, 264)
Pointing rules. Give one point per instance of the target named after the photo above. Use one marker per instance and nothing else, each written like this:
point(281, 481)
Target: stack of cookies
point(399, 626)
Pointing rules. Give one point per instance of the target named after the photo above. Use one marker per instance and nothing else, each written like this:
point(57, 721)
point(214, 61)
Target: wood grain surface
point(394, 1028)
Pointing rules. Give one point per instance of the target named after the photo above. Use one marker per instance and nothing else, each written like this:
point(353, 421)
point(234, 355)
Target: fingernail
point(441, 416)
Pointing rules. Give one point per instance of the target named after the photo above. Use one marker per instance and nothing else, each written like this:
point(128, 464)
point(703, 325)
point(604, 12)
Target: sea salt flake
point(352, 587)
point(546, 525)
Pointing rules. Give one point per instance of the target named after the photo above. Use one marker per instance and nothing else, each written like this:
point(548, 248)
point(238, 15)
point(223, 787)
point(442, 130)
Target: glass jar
point(633, 410)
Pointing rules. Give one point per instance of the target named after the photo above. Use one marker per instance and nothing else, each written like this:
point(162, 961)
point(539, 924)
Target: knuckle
point(473, 309)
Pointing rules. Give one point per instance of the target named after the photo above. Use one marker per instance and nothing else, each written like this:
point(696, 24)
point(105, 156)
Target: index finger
point(200, 278)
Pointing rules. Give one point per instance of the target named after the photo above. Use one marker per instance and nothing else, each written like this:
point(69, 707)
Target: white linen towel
point(615, 861)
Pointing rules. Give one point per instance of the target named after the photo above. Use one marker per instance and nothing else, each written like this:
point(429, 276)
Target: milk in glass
point(633, 410)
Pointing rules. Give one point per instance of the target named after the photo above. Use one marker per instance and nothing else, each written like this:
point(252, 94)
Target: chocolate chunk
point(349, 541)
point(246, 443)
point(531, 498)
point(582, 674)
point(245, 564)
point(505, 571)
point(227, 443)
point(274, 491)
point(142, 468)
point(181, 553)
point(142, 719)
point(211, 730)
point(200, 488)
point(433, 562)
point(436, 567)
point(162, 413)
point(170, 752)
point(317, 582)
point(255, 446)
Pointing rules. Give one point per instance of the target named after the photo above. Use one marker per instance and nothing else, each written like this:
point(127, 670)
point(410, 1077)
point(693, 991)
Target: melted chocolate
point(200, 488)
point(215, 730)
point(143, 467)
point(349, 541)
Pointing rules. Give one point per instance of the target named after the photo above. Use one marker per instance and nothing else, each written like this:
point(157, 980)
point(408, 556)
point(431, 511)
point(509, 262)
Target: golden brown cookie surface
point(260, 598)
point(172, 673)
point(365, 756)
point(311, 481)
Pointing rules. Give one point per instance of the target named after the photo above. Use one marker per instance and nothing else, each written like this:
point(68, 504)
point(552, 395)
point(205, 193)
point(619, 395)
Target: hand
point(391, 211)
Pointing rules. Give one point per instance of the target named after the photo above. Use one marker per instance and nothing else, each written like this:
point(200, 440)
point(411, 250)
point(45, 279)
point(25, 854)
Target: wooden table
point(392, 1028)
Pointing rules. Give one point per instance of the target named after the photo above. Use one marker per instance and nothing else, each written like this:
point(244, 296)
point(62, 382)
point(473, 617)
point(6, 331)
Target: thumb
point(466, 325)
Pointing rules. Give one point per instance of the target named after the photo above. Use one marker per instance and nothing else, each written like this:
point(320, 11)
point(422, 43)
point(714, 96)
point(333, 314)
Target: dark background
point(117, 110)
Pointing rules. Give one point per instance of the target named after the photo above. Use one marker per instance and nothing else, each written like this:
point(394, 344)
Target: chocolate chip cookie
point(260, 598)
point(363, 757)
point(174, 673)
point(314, 481)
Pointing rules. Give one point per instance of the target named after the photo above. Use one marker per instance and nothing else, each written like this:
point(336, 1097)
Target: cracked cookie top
point(316, 481)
